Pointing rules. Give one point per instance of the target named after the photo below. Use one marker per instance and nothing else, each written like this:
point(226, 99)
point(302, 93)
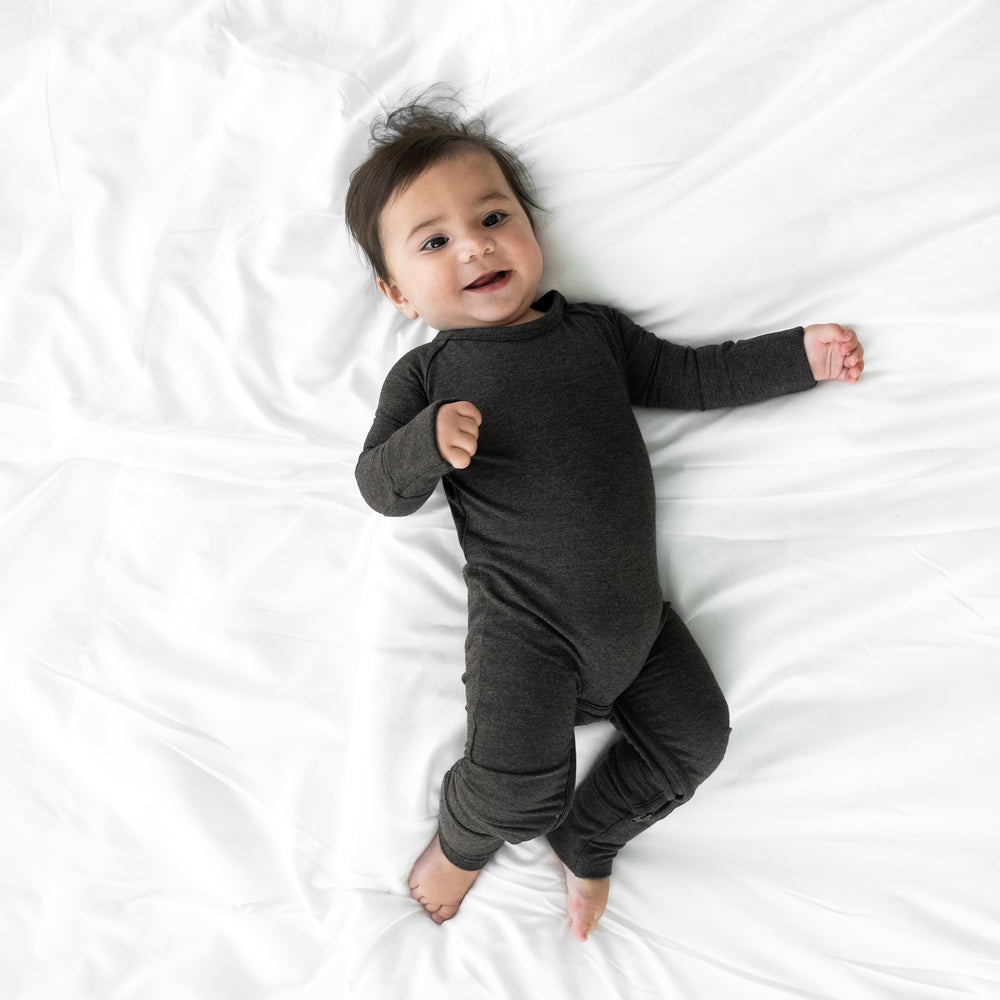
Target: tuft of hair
point(404, 143)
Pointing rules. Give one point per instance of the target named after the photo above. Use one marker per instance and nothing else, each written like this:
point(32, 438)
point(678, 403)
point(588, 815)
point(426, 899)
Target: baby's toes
point(443, 913)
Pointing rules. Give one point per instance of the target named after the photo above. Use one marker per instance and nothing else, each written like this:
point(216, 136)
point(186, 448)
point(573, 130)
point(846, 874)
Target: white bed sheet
point(230, 690)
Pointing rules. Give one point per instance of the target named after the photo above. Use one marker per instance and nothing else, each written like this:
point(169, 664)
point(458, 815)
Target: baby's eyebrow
point(494, 196)
point(429, 224)
point(437, 220)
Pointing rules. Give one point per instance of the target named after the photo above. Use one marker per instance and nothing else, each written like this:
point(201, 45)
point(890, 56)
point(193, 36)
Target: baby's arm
point(735, 373)
point(834, 352)
point(401, 464)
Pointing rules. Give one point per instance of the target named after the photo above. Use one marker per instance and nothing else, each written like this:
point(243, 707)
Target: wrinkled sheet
point(230, 690)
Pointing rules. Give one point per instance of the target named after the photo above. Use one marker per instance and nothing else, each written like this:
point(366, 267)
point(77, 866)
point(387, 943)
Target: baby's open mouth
point(487, 280)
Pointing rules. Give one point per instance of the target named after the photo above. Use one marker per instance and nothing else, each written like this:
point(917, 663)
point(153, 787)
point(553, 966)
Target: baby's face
point(460, 248)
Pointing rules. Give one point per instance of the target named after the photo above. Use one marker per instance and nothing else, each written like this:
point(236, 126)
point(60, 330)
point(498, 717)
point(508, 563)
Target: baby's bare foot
point(437, 884)
point(588, 898)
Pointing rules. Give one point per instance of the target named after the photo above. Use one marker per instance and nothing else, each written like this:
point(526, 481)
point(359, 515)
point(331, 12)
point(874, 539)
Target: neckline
point(550, 305)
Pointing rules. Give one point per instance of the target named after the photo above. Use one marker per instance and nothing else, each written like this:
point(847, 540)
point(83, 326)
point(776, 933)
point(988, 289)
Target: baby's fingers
point(459, 447)
point(853, 367)
point(466, 409)
point(854, 358)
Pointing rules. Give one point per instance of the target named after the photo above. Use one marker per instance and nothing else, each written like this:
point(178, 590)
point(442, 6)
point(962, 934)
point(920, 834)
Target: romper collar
point(551, 304)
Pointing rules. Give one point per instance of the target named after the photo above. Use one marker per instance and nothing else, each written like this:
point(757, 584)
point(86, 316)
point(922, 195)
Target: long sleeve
point(400, 465)
point(663, 374)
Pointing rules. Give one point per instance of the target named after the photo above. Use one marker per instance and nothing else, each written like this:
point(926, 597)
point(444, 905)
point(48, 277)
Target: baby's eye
point(435, 243)
point(494, 219)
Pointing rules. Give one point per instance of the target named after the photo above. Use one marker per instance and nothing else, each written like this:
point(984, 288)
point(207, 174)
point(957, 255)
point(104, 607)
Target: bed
point(231, 689)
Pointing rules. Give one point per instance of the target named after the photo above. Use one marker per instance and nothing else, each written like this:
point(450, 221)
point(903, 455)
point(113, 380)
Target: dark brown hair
point(404, 143)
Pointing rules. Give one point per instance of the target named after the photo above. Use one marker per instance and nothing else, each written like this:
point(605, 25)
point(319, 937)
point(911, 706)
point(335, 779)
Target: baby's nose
point(477, 245)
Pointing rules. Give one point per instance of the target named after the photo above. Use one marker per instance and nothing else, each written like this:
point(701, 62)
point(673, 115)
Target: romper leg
point(674, 723)
point(519, 768)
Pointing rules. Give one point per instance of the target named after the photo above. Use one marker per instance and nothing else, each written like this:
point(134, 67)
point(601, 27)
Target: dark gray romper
point(556, 518)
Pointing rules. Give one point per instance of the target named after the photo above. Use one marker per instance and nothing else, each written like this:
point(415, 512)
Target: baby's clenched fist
point(457, 432)
point(834, 352)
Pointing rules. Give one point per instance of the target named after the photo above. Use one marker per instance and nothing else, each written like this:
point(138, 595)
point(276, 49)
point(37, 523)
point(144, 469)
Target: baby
point(522, 406)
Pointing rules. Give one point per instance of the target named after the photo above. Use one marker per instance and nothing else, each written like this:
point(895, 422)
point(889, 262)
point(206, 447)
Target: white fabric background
point(230, 690)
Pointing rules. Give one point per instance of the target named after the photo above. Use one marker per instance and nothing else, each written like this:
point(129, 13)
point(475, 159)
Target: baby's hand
point(834, 351)
point(457, 432)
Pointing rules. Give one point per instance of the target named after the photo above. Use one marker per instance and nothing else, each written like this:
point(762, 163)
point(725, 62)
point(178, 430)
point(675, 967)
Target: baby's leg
point(518, 771)
point(675, 726)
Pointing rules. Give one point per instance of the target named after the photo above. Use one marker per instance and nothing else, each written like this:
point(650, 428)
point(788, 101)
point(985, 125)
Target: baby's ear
point(396, 297)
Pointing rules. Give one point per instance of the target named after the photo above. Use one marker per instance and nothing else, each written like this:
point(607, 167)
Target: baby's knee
point(680, 761)
point(715, 731)
point(511, 807)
